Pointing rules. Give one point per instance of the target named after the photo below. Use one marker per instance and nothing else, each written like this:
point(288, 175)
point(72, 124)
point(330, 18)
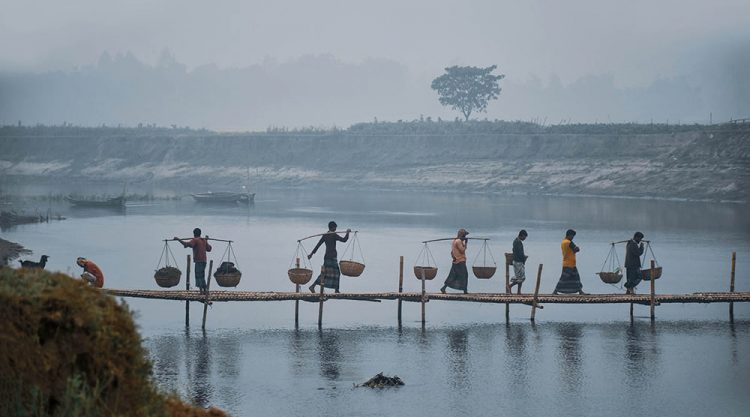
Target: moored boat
point(114, 202)
point(224, 197)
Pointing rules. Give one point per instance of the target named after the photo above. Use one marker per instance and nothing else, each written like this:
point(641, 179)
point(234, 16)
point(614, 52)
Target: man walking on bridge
point(570, 281)
point(200, 246)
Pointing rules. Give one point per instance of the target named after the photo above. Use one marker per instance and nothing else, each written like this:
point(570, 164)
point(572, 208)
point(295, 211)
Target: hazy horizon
point(238, 65)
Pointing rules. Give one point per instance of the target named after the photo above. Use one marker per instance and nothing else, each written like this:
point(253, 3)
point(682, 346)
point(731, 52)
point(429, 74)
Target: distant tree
point(467, 89)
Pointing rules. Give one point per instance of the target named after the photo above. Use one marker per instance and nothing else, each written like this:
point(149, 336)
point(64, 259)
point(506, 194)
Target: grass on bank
point(68, 350)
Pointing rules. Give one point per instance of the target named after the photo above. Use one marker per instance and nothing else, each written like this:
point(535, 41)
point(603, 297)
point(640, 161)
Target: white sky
point(634, 40)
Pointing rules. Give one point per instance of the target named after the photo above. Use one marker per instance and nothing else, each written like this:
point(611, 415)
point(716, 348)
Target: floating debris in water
point(382, 381)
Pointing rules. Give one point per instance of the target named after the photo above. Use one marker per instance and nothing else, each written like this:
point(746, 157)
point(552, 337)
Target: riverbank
point(10, 251)
point(704, 163)
point(81, 353)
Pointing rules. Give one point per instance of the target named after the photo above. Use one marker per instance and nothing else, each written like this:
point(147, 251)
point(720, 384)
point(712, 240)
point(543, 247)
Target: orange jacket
point(93, 269)
point(568, 253)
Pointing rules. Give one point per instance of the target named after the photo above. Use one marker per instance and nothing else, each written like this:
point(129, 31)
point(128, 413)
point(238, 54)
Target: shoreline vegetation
point(423, 125)
point(70, 350)
point(691, 162)
point(10, 251)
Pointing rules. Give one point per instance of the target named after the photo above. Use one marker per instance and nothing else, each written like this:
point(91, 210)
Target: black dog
point(31, 264)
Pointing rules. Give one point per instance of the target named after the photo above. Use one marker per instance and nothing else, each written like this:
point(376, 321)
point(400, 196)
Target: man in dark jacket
point(330, 274)
point(633, 252)
point(519, 261)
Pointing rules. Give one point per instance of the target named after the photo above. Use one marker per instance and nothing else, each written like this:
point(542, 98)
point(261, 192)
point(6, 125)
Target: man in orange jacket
point(92, 274)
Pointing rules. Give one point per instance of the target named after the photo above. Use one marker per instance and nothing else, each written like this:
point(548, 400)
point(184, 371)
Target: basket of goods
point(300, 273)
point(611, 272)
point(610, 277)
point(424, 267)
point(350, 267)
point(428, 272)
point(656, 270)
point(300, 276)
point(167, 275)
point(227, 274)
point(485, 270)
point(646, 273)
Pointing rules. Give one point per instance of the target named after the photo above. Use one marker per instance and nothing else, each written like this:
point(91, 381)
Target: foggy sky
point(634, 43)
point(634, 40)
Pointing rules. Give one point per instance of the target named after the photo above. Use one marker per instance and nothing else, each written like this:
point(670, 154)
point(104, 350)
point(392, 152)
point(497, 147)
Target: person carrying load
point(633, 252)
point(458, 278)
point(331, 274)
point(200, 246)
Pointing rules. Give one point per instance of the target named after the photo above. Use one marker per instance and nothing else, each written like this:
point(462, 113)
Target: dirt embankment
point(694, 164)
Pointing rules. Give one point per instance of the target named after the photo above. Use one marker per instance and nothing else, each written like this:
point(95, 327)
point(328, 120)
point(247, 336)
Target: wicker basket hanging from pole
point(424, 267)
point(227, 274)
point(300, 274)
point(168, 275)
point(612, 262)
point(646, 272)
point(350, 267)
point(484, 271)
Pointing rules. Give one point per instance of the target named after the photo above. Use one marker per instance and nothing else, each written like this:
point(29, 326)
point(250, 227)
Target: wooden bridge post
point(731, 286)
point(536, 292)
point(653, 290)
point(207, 299)
point(424, 298)
point(507, 288)
point(296, 303)
point(322, 286)
point(400, 285)
point(187, 288)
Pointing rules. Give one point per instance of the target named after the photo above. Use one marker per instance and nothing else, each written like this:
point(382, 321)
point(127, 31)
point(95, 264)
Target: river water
point(576, 360)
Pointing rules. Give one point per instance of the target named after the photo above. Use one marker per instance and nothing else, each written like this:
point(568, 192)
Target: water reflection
point(297, 348)
point(201, 390)
point(167, 352)
point(517, 348)
point(569, 356)
point(612, 369)
point(458, 360)
point(330, 352)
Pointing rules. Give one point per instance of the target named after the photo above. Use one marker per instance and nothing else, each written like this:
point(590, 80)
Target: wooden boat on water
point(224, 197)
point(114, 202)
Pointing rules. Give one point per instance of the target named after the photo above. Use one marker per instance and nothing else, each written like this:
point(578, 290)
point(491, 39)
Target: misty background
point(248, 65)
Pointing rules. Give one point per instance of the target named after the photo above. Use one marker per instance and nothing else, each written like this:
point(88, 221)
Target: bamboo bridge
point(535, 299)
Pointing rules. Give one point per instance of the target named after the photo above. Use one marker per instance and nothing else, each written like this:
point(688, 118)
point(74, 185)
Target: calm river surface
point(576, 360)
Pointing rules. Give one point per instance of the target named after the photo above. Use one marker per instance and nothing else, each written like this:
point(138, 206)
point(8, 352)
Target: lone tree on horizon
point(467, 89)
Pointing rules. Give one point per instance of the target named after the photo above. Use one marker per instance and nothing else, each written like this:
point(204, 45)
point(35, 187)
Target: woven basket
point(351, 268)
point(429, 272)
point(610, 277)
point(300, 276)
point(509, 259)
point(646, 273)
point(228, 279)
point(167, 277)
point(484, 272)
